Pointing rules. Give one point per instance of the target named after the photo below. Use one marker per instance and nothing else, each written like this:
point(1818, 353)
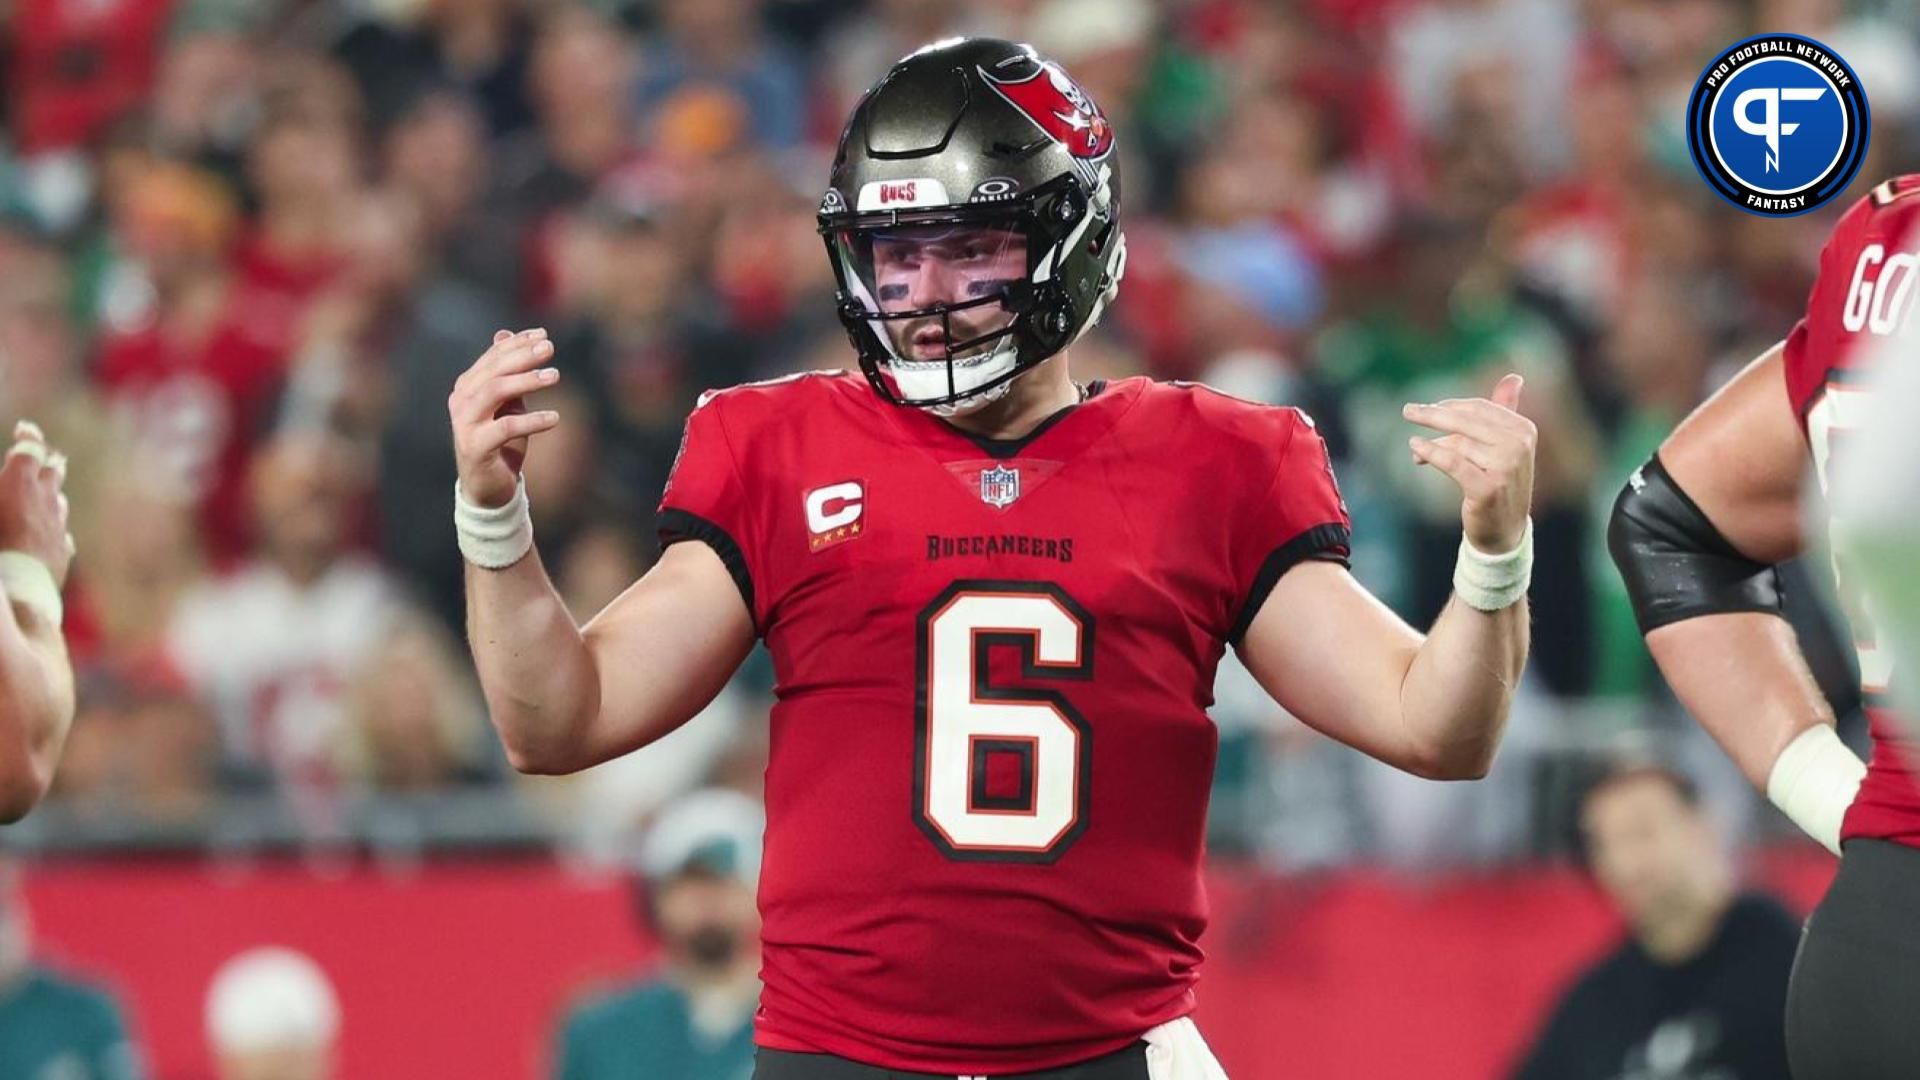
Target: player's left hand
point(33, 508)
point(1488, 451)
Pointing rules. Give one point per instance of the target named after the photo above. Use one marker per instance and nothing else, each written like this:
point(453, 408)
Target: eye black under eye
point(893, 292)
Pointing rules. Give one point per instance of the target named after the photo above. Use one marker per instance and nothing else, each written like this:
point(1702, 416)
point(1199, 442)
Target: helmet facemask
point(941, 300)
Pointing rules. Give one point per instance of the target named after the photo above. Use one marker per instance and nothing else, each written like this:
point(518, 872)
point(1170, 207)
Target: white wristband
point(1492, 582)
point(1814, 780)
point(28, 581)
point(497, 537)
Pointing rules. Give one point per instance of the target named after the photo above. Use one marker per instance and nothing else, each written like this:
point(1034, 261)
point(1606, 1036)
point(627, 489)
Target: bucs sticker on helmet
point(1057, 106)
point(908, 194)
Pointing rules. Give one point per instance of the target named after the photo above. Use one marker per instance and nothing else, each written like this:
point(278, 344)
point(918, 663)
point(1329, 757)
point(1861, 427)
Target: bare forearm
point(36, 709)
point(1459, 687)
point(1744, 677)
point(540, 680)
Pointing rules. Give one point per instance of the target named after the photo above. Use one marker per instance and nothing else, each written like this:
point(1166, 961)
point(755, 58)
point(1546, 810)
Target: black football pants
point(1853, 1006)
point(1127, 1064)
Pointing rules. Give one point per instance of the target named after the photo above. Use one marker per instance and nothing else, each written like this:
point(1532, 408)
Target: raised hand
point(33, 508)
point(1488, 451)
point(490, 421)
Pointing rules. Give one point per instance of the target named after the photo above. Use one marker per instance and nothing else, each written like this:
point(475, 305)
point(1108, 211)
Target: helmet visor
point(935, 292)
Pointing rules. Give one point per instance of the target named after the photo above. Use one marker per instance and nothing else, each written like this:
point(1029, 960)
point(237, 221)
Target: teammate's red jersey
point(1864, 292)
point(990, 753)
point(194, 410)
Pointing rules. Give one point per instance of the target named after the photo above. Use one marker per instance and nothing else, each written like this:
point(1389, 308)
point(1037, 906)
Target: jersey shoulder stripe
point(1235, 417)
point(776, 386)
point(1895, 189)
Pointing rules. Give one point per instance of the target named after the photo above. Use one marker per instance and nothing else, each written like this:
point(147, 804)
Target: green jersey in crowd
point(53, 1028)
point(649, 1033)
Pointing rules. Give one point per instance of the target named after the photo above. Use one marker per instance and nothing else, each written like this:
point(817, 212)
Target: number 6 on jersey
point(968, 733)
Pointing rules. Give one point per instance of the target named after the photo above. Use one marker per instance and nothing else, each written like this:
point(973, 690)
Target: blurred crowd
point(246, 246)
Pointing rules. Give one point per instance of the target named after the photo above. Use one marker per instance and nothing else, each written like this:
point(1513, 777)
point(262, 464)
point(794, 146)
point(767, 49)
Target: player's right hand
point(490, 421)
point(33, 509)
point(1488, 450)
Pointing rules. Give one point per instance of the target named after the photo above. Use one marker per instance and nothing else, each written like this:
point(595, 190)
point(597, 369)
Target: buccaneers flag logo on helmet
point(1061, 109)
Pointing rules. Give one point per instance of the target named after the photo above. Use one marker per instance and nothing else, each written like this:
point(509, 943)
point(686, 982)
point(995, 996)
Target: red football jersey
point(987, 792)
point(194, 410)
point(1863, 294)
point(76, 67)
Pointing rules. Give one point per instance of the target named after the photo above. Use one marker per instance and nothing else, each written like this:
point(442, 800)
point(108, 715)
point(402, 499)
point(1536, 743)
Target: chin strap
point(975, 402)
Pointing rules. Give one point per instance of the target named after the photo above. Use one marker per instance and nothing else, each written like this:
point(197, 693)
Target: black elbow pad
point(1676, 564)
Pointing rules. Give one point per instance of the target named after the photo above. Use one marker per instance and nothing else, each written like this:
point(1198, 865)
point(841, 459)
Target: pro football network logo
point(1778, 125)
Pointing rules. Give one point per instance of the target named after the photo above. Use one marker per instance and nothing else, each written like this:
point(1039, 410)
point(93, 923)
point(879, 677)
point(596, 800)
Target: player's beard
point(712, 947)
point(929, 339)
point(949, 366)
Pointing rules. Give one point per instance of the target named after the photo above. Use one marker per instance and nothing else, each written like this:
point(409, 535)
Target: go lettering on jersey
point(1880, 296)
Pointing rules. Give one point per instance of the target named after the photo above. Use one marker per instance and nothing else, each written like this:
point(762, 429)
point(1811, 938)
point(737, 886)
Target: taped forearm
point(1678, 566)
point(1814, 780)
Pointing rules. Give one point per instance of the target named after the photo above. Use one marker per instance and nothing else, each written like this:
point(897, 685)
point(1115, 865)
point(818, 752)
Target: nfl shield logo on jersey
point(999, 486)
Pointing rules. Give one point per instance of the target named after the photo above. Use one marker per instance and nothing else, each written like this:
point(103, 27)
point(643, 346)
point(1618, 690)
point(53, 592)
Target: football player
point(1696, 533)
point(995, 599)
point(36, 677)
